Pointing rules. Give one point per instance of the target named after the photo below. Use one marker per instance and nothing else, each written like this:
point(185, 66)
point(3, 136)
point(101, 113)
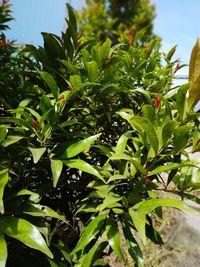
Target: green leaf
point(4, 252)
point(11, 139)
point(169, 167)
point(104, 50)
point(145, 207)
point(37, 153)
point(41, 210)
point(168, 130)
point(111, 200)
point(4, 178)
point(45, 104)
point(79, 147)
point(16, 121)
point(75, 80)
point(113, 236)
point(94, 253)
point(56, 168)
point(181, 100)
point(90, 232)
point(133, 248)
point(92, 70)
point(25, 232)
point(171, 52)
point(122, 142)
point(144, 125)
point(83, 166)
point(51, 83)
point(181, 137)
point(149, 113)
point(3, 133)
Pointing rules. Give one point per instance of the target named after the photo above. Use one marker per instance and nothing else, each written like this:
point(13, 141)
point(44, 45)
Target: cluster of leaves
point(132, 20)
point(84, 152)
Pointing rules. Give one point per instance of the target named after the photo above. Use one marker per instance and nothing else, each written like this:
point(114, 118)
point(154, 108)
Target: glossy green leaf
point(11, 139)
point(37, 153)
point(104, 50)
point(17, 121)
point(143, 208)
point(171, 52)
point(51, 83)
point(3, 133)
point(34, 197)
point(168, 167)
point(144, 125)
point(83, 166)
point(113, 236)
point(41, 210)
point(149, 113)
point(181, 137)
point(122, 142)
point(90, 232)
point(133, 247)
point(111, 200)
point(75, 80)
point(92, 70)
point(4, 178)
point(45, 104)
point(56, 168)
point(181, 100)
point(94, 253)
point(168, 130)
point(79, 147)
point(25, 232)
point(3, 251)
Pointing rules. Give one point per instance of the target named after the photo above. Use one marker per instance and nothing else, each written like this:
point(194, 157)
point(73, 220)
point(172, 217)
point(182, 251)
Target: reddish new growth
point(4, 43)
point(156, 101)
point(4, 2)
point(62, 98)
point(36, 123)
point(147, 180)
point(69, 88)
point(109, 68)
point(198, 142)
point(130, 36)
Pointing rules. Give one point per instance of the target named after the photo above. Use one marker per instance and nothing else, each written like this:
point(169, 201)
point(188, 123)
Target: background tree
point(114, 19)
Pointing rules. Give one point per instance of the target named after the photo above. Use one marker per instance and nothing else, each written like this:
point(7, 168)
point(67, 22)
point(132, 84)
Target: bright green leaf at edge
point(25, 232)
point(3, 251)
point(3, 181)
point(145, 207)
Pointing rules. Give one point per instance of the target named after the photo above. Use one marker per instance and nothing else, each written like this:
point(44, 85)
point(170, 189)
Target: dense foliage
point(118, 20)
point(97, 133)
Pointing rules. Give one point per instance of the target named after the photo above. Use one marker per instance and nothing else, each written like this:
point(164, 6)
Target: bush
point(84, 152)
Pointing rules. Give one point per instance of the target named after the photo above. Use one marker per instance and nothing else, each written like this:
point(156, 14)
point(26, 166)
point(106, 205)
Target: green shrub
point(83, 155)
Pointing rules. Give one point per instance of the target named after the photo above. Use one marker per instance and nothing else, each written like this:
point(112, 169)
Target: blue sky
point(177, 22)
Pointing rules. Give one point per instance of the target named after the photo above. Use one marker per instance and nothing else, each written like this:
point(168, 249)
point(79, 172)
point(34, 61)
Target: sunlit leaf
point(4, 178)
point(25, 232)
point(3, 250)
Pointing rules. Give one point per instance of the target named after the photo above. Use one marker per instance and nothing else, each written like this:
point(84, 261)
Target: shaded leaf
point(3, 133)
point(51, 83)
